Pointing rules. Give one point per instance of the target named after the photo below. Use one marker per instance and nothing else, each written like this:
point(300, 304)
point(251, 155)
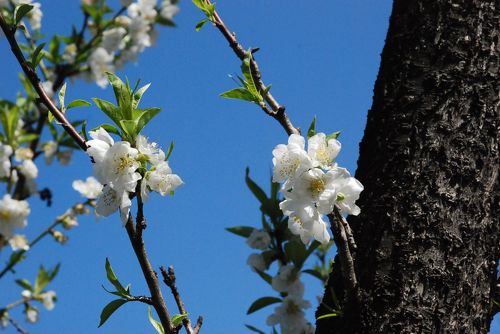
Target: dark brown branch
point(142, 299)
point(277, 111)
point(345, 255)
point(149, 275)
point(169, 279)
point(35, 82)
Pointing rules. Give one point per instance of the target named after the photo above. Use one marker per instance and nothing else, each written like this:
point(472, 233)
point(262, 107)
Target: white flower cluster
point(313, 185)
point(116, 165)
point(26, 166)
point(13, 215)
point(133, 34)
point(290, 313)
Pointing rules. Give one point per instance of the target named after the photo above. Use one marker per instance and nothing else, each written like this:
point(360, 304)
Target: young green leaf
point(242, 231)
point(25, 284)
point(21, 11)
point(296, 252)
point(109, 109)
point(314, 273)
point(26, 138)
point(113, 279)
point(262, 302)
point(312, 128)
point(329, 315)
point(42, 279)
point(37, 56)
point(123, 95)
point(333, 135)
point(239, 93)
point(249, 83)
point(138, 95)
point(264, 276)
point(146, 115)
point(157, 325)
point(255, 189)
point(178, 319)
point(109, 128)
point(169, 150)
point(77, 103)
point(109, 309)
point(200, 24)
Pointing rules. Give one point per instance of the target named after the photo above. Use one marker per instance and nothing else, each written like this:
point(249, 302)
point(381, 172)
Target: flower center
point(5, 215)
point(124, 162)
point(323, 156)
point(317, 186)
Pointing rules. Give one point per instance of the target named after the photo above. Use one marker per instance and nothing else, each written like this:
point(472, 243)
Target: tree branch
point(169, 279)
point(35, 82)
point(150, 276)
point(346, 258)
point(277, 110)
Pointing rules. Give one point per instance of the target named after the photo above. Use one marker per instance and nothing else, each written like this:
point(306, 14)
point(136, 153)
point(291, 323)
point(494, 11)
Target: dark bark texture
point(429, 233)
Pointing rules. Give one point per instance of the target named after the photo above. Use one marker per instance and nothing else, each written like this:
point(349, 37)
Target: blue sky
point(321, 58)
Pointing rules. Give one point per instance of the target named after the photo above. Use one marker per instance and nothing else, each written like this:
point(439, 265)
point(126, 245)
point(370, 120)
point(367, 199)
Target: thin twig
point(170, 280)
point(142, 299)
point(18, 328)
point(35, 82)
point(346, 259)
point(150, 276)
point(277, 110)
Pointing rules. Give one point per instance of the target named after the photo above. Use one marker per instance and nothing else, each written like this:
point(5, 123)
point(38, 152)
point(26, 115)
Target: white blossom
point(161, 179)
point(69, 54)
point(68, 219)
point(48, 299)
point(305, 221)
point(32, 315)
point(168, 9)
point(259, 239)
point(112, 39)
point(26, 294)
point(23, 153)
point(256, 262)
point(64, 157)
point(290, 316)
point(291, 159)
point(35, 14)
point(151, 150)
point(101, 61)
point(144, 9)
point(112, 200)
point(49, 151)
point(29, 169)
point(288, 280)
point(18, 242)
point(322, 151)
point(5, 153)
point(90, 188)
point(48, 88)
point(348, 190)
point(13, 214)
point(317, 187)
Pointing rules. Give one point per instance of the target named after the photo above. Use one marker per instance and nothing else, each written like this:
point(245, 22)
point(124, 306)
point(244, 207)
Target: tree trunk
point(428, 235)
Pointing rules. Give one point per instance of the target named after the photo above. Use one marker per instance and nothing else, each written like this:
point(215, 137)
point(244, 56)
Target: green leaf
point(123, 95)
point(53, 272)
point(145, 117)
point(42, 279)
point(314, 273)
point(329, 315)
point(37, 56)
point(129, 127)
point(109, 128)
point(264, 276)
point(254, 329)
point(255, 189)
point(138, 95)
point(249, 83)
point(200, 24)
point(113, 279)
point(178, 319)
point(239, 94)
point(83, 131)
point(77, 103)
point(25, 284)
point(262, 302)
point(156, 324)
point(169, 151)
point(109, 109)
point(21, 12)
point(242, 231)
point(333, 135)
point(109, 309)
point(26, 138)
point(296, 252)
point(312, 128)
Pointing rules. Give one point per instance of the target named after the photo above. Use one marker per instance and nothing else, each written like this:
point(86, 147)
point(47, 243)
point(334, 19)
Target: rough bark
point(429, 233)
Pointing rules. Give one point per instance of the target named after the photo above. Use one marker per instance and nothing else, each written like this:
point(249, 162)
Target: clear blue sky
point(321, 58)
